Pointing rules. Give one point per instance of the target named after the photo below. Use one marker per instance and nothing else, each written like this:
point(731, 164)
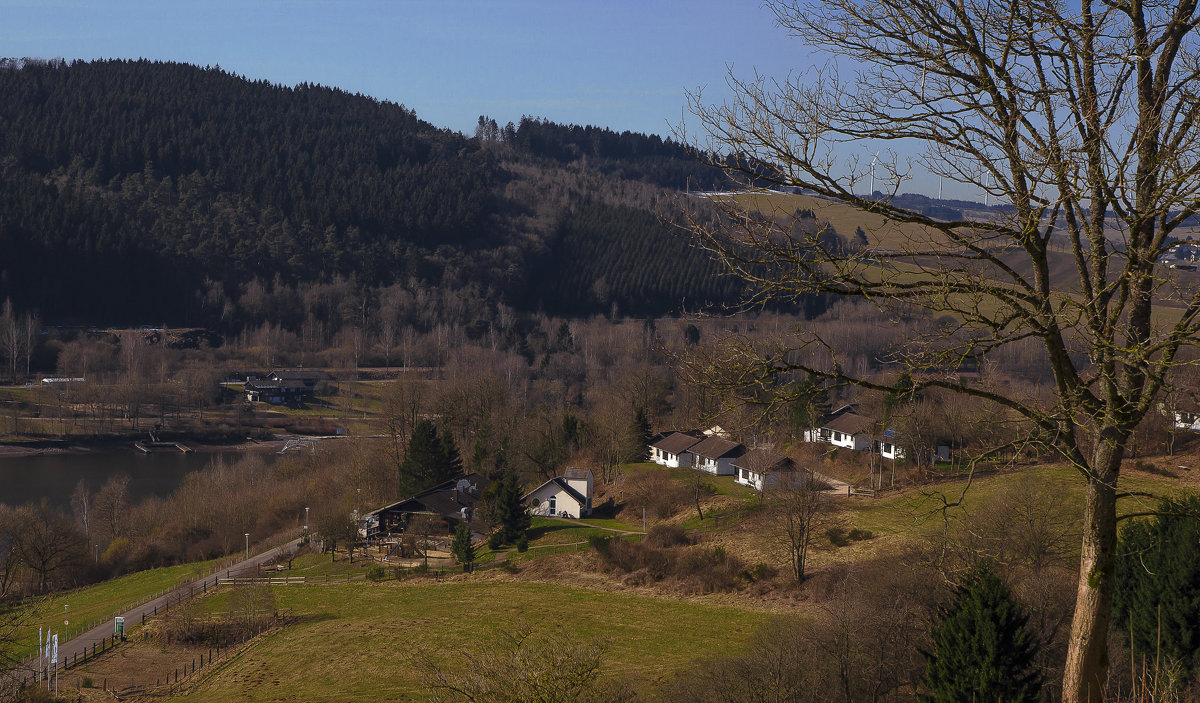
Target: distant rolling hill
point(135, 191)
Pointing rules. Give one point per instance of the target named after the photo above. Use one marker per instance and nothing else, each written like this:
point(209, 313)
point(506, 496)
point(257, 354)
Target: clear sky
point(617, 63)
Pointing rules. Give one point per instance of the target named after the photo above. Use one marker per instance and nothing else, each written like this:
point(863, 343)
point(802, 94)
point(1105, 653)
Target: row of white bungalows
point(712, 454)
point(569, 495)
point(850, 430)
point(674, 450)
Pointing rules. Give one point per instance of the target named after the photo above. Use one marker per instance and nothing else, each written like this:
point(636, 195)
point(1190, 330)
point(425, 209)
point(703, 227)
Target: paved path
point(84, 642)
point(836, 486)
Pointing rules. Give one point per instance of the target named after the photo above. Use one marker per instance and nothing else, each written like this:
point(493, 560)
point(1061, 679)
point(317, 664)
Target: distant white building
point(569, 495)
point(763, 469)
point(674, 450)
point(716, 455)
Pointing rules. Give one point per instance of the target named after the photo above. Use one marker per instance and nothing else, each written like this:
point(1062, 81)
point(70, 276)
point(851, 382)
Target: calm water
point(53, 476)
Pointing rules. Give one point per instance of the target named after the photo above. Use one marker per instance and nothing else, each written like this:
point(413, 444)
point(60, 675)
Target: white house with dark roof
point(849, 430)
point(674, 450)
point(715, 455)
point(569, 495)
point(764, 469)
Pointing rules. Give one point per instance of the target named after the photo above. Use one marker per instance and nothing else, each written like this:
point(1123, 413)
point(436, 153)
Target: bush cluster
point(695, 568)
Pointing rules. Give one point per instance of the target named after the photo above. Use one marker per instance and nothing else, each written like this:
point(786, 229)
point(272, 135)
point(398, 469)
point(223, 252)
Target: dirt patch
point(137, 664)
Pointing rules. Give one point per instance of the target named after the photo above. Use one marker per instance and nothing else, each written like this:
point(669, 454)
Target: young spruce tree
point(461, 547)
point(511, 511)
point(981, 650)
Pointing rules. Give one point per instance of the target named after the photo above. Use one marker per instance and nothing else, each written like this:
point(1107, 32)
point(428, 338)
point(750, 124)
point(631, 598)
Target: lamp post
point(247, 545)
point(305, 520)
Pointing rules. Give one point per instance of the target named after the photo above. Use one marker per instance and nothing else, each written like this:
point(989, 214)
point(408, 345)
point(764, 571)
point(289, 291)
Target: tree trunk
point(1087, 650)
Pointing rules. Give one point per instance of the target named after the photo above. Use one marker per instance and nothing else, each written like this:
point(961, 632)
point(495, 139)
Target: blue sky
point(616, 63)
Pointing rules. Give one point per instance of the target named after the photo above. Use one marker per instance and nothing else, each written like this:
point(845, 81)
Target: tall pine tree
point(981, 650)
point(640, 435)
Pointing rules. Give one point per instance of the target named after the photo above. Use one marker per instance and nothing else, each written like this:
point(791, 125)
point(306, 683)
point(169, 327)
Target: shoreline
point(64, 447)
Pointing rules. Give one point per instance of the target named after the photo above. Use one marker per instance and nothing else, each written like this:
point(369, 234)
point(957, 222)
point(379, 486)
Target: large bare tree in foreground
point(1082, 118)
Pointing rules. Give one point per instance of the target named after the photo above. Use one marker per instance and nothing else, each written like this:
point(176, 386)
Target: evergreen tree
point(510, 510)
point(430, 460)
point(981, 650)
point(461, 547)
point(1156, 601)
point(640, 436)
point(451, 465)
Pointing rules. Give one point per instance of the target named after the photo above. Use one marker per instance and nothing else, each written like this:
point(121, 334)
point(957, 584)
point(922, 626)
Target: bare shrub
point(666, 536)
point(875, 617)
point(657, 492)
point(525, 665)
point(777, 666)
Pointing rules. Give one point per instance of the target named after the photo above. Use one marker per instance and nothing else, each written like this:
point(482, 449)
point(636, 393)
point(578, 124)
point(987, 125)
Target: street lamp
point(247, 545)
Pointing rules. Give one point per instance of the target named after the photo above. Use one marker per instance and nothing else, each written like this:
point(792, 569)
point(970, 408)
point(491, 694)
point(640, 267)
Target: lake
point(53, 476)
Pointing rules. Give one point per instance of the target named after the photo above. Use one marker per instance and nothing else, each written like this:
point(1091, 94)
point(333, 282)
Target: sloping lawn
point(363, 641)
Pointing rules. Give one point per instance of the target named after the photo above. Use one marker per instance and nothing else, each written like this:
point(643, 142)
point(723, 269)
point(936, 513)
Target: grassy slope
point(362, 641)
point(103, 600)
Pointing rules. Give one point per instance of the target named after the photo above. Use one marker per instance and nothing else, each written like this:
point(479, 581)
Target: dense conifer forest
point(134, 191)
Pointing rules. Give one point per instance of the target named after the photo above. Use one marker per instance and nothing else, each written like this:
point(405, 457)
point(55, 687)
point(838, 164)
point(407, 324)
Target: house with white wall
point(763, 469)
point(715, 455)
point(849, 430)
point(569, 495)
point(674, 450)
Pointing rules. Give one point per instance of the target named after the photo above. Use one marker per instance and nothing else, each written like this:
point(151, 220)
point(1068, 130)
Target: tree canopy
point(1080, 121)
point(981, 650)
point(1156, 604)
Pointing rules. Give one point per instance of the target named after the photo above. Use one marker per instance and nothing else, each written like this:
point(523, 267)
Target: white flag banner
point(41, 645)
point(54, 655)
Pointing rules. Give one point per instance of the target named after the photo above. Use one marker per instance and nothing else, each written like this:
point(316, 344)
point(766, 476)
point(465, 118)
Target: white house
point(674, 450)
point(569, 495)
point(1185, 420)
point(888, 449)
point(761, 468)
point(715, 455)
point(849, 430)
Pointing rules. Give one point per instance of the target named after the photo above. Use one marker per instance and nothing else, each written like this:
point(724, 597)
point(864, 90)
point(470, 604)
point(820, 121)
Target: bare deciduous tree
point(797, 513)
point(1081, 120)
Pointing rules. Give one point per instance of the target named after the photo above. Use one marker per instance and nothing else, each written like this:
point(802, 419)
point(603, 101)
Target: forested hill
point(138, 192)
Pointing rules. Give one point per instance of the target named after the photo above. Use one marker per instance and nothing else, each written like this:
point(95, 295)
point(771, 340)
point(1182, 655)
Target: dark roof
point(576, 472)
point(442, 499)
point(561, 483)
point(259, 385)
point(849, 423)
point(717, 448)
point(676, 443)
point(300, 375)
point(760, 461)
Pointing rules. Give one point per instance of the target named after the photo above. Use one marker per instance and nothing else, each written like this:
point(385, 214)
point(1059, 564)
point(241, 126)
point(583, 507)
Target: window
point(552, 499)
